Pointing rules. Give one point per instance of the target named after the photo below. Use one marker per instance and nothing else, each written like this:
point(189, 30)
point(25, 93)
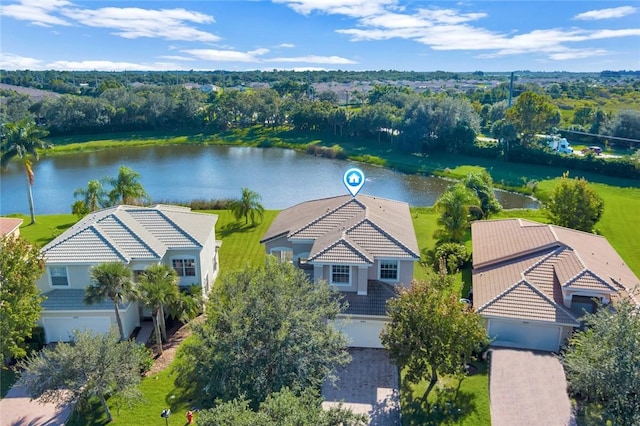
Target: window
point(184, 267)
point(340, 274)
point(389, 270)
point(59, 276)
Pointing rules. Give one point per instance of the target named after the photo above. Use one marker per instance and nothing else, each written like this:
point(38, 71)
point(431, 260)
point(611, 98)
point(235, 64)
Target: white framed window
point(388, 270)
point(184, 267)
point(283, 255)
point(59, 276)
point(341, 275)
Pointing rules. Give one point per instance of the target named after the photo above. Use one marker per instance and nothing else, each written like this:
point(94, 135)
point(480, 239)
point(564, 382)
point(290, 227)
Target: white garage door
point(61, 329)
point(524, 335)
point(363, 333)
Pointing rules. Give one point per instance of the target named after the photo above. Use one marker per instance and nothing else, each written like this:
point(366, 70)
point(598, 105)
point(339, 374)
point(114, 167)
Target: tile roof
point(125, 233)
point(524, 301)
point(374, 303)
point(72, 299)
point(372, 226)
point(547, 258)
point(8, 225)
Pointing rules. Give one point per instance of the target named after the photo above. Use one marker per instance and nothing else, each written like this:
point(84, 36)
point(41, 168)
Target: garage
point(361, 332)
point(524, 334)
point(60, 329)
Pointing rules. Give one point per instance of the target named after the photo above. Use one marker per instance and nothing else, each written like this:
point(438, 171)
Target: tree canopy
point(21, 264)
point(93, 365)
point(430, 331)
point(248, 206)
point(127, 188)
point(280, 408)
point(23, 139)
point(602, 363)
point(532, 113)
point(574, 204)
point(481, 183)
point(265, 328)
point(111, 280)
point(454, 206)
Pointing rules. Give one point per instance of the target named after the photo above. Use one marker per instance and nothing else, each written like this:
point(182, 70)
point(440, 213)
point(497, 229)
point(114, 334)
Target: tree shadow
point(445, 406)
point(235, 227)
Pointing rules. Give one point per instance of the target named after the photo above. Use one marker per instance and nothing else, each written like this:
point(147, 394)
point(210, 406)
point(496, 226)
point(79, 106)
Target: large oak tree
point(265, 329)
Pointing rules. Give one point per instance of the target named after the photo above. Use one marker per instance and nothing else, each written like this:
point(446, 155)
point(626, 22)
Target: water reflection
point(185, 172)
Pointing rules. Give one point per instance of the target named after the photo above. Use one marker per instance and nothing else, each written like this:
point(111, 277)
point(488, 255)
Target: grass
point(447, 404)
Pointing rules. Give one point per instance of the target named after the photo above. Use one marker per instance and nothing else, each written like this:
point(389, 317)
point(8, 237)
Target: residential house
point(532, 282)
point(136, 236)
point(10, 226)
point(363, 246)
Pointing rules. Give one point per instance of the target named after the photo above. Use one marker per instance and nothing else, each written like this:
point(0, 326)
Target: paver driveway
point(368, 385)
point(528, 388)
point(16, 409)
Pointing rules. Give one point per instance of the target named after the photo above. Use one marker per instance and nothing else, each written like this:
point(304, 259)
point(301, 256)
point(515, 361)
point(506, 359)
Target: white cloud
point(353, 8)
point(613, 12)
point(111, 66)
point(286, 45)
point(576, 54)
point(133, 22)
point(312, 59)
point(9, 61)
point(226, 55)
point(38, 12)
point(176, 58)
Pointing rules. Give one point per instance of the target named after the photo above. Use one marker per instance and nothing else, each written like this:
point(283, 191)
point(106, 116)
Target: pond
point(185, 172)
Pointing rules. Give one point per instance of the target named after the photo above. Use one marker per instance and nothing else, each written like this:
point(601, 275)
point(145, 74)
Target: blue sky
point(565, 35)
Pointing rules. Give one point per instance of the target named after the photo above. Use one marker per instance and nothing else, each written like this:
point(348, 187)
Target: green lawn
point(7, 379)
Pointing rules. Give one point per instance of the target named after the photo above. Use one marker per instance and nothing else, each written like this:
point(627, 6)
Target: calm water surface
point(185, 172)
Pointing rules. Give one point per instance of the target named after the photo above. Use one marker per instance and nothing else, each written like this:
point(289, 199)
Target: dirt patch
point(175, 336)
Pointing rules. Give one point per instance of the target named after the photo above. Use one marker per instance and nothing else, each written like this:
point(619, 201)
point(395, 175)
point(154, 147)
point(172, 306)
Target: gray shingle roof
point(72, 299)
point(124, 233)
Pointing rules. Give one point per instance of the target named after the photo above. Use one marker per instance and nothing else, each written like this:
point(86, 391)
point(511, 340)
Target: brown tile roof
point(545, 257)
point(8, 225)
point(358, 228)
point(524, 301)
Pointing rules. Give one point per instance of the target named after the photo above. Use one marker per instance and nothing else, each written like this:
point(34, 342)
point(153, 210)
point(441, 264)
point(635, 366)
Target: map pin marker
point(354, 180)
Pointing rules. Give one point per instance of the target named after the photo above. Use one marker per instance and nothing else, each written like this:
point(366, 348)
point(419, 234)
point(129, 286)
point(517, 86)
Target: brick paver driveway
point(16, 409)
point(368, 385)
point(528, 388)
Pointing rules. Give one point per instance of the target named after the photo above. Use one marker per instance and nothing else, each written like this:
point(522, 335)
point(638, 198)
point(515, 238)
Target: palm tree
point(157, 288)
point(127, 189)
point(94, 196)
point(454, 207)
point(22, 139)
point(248, 206)
point(111, 280)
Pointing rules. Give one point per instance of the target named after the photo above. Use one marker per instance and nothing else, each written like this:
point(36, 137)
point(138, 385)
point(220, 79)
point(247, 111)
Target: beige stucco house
point(532, 282)
point(138, 237)
point(363, 246)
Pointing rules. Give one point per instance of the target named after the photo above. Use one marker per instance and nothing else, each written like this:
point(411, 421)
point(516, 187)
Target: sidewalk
point(16, 409)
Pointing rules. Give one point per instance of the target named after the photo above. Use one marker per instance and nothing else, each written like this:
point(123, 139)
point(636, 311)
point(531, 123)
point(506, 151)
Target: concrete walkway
point(146, 328)
point(528, 388)
point(16, 409)
point(368, 385)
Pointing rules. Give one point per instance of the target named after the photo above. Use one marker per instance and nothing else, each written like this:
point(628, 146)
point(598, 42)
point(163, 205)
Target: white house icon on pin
point(354, 180)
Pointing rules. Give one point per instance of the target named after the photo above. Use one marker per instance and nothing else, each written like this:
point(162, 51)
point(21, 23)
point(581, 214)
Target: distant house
point(532, 282)
point(363, 246)
point(10, 226)
point(138, 237)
